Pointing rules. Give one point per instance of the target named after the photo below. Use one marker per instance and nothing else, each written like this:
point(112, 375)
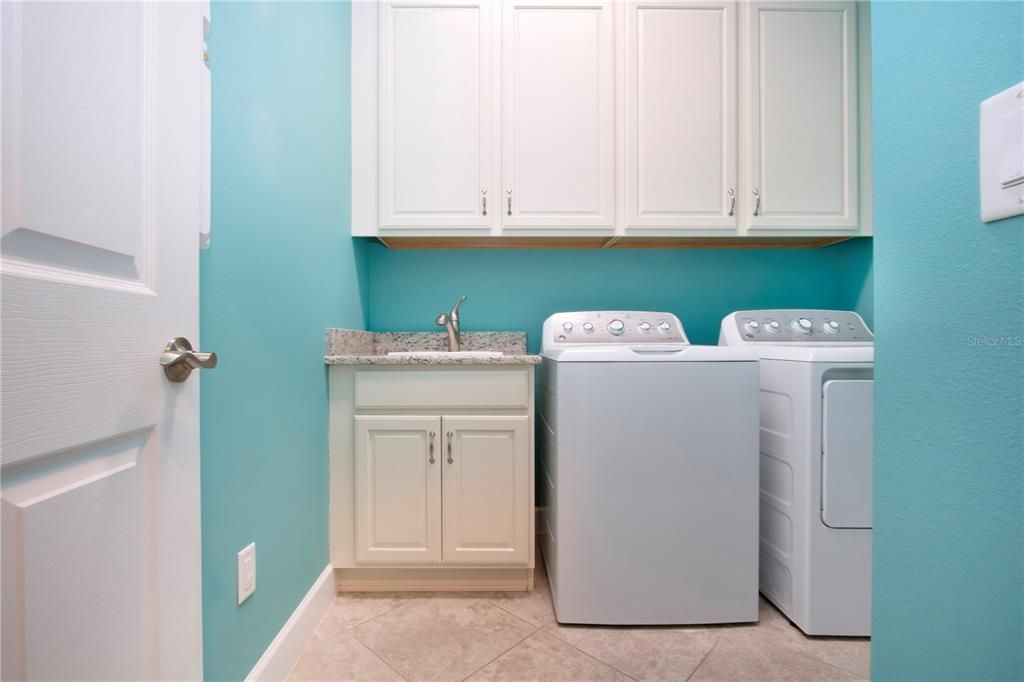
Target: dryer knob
point(588, 326)
point(664, 327)
point(753, 326)
point(831, 327)
point(567, 326)
point(616, 327)
point(645, 326)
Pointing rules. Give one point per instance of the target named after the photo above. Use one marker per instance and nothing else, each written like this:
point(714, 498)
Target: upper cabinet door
point(398, 489)
point(436, 99)
point(680, 144)
point(558, 100)
point(803, 115)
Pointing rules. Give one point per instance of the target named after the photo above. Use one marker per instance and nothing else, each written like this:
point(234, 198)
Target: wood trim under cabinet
point(407, 243)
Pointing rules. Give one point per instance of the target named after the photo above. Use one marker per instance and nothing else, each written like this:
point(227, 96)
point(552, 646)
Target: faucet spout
point(450, 321)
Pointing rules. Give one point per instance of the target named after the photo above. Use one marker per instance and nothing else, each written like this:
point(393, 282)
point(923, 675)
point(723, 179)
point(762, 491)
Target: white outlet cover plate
point(1002, 154)
point(246, 572)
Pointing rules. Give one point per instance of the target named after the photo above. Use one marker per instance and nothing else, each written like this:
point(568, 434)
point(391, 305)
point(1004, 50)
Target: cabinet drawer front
point(484, 388)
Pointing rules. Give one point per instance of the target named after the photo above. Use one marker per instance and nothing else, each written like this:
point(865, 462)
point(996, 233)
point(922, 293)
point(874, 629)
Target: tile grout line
point(526, 637)
point(710, 651)
point(593, 658)
point(823, 661)
point(351, 630)
point(375, 654)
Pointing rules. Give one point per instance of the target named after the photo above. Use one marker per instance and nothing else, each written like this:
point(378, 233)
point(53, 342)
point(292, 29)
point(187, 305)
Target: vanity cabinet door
point(436, 99)
point(486, 489)
point(680, 145)
point(802, 107)
point(398, 489)
point(558, 114)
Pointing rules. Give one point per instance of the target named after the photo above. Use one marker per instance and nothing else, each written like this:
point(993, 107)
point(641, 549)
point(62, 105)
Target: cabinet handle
point(757, 202)
point(509, 202)
point(732, 201)
point(484, 193)
point(450, 459)
point(432, 460)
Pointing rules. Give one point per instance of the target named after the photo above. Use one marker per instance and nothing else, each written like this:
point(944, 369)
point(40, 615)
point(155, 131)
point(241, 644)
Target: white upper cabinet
point(436, 109)
point(680, 112)
point(803, 115)
point(558, 114)
point(611, 119)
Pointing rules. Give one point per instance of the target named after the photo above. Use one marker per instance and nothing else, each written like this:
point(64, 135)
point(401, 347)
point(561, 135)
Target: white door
point(486, 490)
point(102, 131)
point(398, 489)
point(681, 114)
point(803, 115)
point(558, 101)
point(436, 110)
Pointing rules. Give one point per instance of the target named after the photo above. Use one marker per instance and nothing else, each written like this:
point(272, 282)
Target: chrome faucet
point(450, 321)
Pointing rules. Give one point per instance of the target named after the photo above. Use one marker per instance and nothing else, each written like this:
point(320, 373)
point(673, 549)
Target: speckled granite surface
point(352, 347)
point(349, 342)
point(510, 343)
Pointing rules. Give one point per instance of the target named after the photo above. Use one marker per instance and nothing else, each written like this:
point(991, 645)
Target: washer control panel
point(631, 327)
point(801, 326)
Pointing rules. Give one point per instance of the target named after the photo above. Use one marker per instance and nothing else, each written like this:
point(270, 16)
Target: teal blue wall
point(949, 460)
point(854, 278)
point(281, 268)
point(518, 289)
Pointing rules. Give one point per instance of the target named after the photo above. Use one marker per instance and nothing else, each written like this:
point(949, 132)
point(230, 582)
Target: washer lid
point(650, 353)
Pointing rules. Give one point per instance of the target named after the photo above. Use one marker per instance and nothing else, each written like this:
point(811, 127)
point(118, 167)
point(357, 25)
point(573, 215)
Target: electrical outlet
point(246, 572)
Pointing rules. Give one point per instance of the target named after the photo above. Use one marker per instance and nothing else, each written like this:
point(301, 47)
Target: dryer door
point(846, 439)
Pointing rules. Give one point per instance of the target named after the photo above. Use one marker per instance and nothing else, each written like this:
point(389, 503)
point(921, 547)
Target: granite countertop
point(353, 347)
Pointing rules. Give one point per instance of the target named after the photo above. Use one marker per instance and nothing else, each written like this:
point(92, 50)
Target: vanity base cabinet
point(398, 489)
point(486, 490)
point(436, 491)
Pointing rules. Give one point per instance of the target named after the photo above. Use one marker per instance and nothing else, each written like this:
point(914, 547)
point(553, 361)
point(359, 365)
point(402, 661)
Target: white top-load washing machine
point(817, 380)
point(648, 451)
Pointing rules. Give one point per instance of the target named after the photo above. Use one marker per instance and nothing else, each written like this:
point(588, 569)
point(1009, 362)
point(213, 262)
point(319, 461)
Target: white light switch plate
point(1002, 154)
point(246, 572)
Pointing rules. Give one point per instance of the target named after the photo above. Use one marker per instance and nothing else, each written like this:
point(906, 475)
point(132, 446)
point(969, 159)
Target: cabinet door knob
point(509, 202)
point(484, 193)
point(757, 202)
point(732, 201)
point(451, 460)
point(431, 447)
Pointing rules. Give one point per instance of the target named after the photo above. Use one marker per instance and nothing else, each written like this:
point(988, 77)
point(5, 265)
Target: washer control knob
point(616, 327)
point(831, 327)
point(802, 325)
point(645, 326)
point(567, 326)
point(774, 326)
point(664, 327)
point(753, 326)
point(588, 326)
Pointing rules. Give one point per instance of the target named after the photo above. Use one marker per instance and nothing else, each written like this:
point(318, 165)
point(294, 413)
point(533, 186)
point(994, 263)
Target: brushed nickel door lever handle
point(179, 359)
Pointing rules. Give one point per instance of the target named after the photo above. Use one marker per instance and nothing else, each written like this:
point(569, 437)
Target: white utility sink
point(445, 354)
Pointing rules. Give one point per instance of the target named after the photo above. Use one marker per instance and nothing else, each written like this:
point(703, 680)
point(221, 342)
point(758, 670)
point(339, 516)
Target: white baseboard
point(280, 657)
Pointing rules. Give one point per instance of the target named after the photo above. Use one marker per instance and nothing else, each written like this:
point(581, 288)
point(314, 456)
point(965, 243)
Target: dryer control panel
point(629, 327)
point(797, 326)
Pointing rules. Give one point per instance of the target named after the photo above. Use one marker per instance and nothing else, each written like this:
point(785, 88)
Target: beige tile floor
point(514, 636)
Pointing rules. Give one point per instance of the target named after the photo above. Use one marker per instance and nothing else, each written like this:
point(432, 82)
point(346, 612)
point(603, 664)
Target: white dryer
point(648, 455)
point(817, 381)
